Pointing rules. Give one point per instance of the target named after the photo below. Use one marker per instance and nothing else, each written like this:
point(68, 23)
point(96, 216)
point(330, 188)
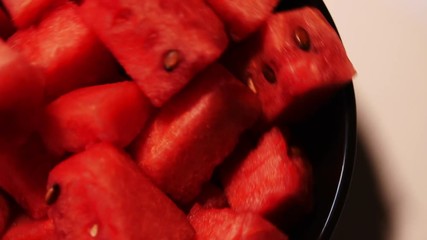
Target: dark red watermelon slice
point(226, 224)
point(195, 131)
point(6, 26)
point(27, 12)
point(21, 97)
point(297, 61)
point(25, 228)
point(114, 113)
point(274, 180)
point(23, 174)
point(5, 212)
point(243, 17)
point(162, 44)
point(68, 52)
point(102, 194)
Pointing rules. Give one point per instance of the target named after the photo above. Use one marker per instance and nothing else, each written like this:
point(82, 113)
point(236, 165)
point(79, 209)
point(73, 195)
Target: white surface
point(387, 42)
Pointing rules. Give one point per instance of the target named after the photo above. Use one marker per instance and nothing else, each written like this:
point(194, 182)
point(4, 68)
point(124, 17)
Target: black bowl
point(329, 139)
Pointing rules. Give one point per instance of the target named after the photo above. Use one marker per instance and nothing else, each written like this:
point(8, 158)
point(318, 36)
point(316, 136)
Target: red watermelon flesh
point(68, 52)
point(114, 112)
point(243, 17)
point(226, 224)
point(274, 180)
point(293, 77)
point(27, 12)
point(5, 212)
point(195, 131)
point(6, 26)
point(104, 195)
point(161, 44)
point(23, 174)
point(25, 228)
point(21, 97)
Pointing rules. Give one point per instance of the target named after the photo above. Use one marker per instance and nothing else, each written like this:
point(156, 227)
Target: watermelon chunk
point(5, 212)
point(195, 131)
point(25, 228)
point(243, 17)
point(114, 112)
point(6, 26)
point(100, 193)
point(226, 224)
point(23, 174)
point(21, 97)
point(68, 52)
point(161, 44)
point(274, 180)
point(27, 12)
point(294, 63)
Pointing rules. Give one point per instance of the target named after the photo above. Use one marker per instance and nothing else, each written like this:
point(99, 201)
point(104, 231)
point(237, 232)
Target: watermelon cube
point(5, 212)
point(114, 113)
point(70, 55)
point(294, 64)
point(101, 193)
point(23, 175)
point(21, 97)
point(226, 224)
point(195, 131)
point(161, 44)
point(27, 12)
point(25, 228)
point(6, 26)
point(243, 17)
point(273, 180)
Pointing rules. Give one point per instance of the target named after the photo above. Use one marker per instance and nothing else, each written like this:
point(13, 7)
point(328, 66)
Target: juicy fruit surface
point(226, 224)
point(23, 174)
point(104, 195)
point(207, 117)
point(25, 228)
point(69, 54)
point(270, 182)
point(291, 76)
point(243, 17)
point(114, 113)
point(27, 12)
point(209, 142)
point(142, 33)
point(21, 96)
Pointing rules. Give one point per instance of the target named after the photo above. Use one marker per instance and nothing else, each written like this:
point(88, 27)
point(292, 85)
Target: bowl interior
point(329, 139)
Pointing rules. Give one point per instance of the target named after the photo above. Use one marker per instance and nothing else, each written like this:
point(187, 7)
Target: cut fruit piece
point(273, 180)
point(21, 97)
point(243, 17)
point(294, 63)
point(27, 12)
point(226, 224)
point(70, 55)
point(5, 212)
point(23, 175)
point(101, 193)
point(24, 228)
point(195, 131)
point(114, 113)
point(6, 26)
point(161, 44)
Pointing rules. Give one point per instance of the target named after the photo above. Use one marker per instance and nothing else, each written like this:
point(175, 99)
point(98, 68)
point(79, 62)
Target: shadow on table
point(366, 214)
